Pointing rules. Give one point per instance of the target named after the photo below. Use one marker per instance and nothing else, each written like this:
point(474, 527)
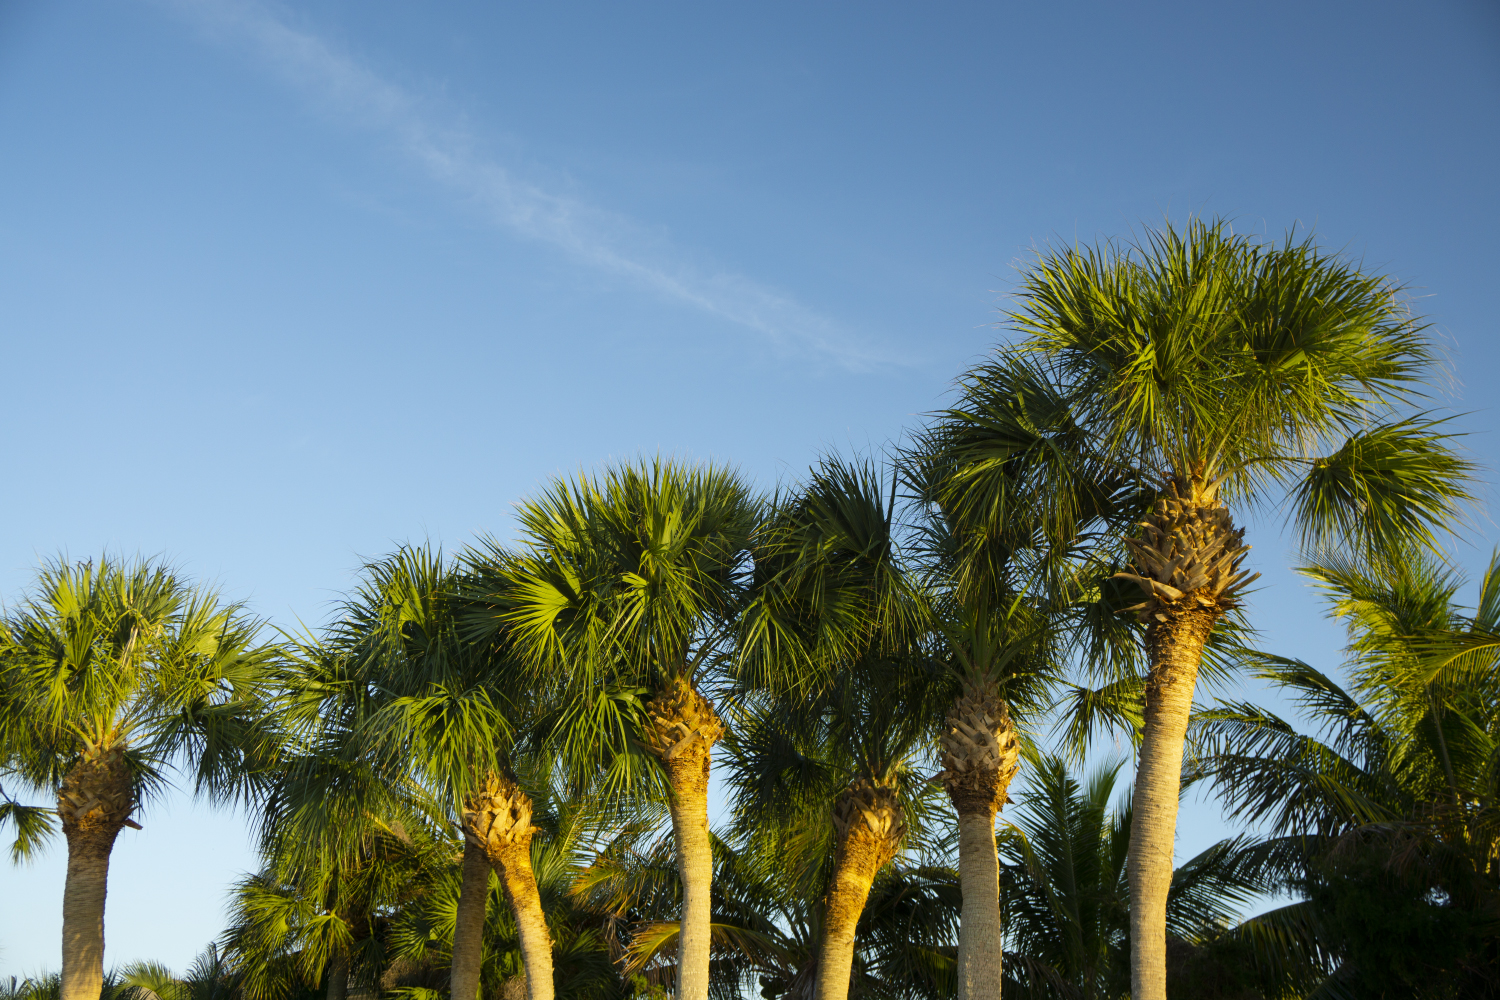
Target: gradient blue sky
point(284, 284)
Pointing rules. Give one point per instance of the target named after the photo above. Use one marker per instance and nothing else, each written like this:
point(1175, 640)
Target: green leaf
point(1385, 488)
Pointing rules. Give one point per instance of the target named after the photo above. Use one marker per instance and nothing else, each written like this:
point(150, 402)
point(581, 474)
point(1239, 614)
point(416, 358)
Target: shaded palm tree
point(1065, 888)
point(1385, 819)
point(111, 672)
point(623, 591)
point(828, 788)
point(1212, 370)
point(345, 838)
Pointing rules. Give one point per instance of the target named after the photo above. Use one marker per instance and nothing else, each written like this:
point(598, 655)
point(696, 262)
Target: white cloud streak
point(598, 238)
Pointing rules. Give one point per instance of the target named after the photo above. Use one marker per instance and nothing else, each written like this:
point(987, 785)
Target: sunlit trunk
point(83, 914)
point(683, 730)
point(94, 803)
point(499, 817)
point(514, 868)
point(980, 757)
point(1187, 563)
point(980, 945)
point(1176, 650)
point(868, 820)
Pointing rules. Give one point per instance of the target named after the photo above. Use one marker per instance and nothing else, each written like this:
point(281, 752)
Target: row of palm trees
point(1063, 535)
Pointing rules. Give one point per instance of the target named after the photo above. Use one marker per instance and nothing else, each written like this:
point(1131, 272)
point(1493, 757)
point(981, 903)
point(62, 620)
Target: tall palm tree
point(1005, 588)
point(830, 640)
point(1211, 369)
point(625, 589)
point(110, 672)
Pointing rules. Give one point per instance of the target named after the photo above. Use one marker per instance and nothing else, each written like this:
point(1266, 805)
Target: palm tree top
point(1226, 365)
point(633, 572)
point(830, 583)
point(114, 653)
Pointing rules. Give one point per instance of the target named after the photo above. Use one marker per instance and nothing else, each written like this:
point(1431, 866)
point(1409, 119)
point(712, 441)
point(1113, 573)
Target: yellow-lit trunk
point(867, 818)
point(498, 816)
point(1187, 564)
point(94, 803)
point(682, 731)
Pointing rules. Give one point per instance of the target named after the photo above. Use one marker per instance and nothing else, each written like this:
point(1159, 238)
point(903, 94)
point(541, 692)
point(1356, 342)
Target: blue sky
point(283, 285)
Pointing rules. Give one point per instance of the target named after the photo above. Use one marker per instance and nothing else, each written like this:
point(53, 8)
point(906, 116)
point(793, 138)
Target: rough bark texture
point(980, 756)
point(1187, 563)
point(867, 818)
point(682, 731)
point(468, 933)
point(980, 750)
point(499, 818)
point(94, 803)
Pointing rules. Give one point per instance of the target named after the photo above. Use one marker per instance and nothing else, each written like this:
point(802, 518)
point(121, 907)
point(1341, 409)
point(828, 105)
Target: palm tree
point(437, 716)
point(453, 710)
point(1004, 589)
point(568, 832)
point(993, 669)
point(109, 673)
point(1212, 369)
point(1387, 818)
point(827, 786)
point(625, 588)
point(830, 641)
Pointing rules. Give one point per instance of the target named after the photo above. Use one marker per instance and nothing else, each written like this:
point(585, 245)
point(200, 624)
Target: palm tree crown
point(110, 673)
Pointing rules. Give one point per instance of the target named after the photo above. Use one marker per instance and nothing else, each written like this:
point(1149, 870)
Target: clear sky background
point(282, 285)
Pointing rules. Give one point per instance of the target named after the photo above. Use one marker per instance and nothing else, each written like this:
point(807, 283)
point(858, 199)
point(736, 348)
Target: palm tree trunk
point(468, 932)
point(83, 913)
point(980, 756)
point(867, 817)
point(1187, 563)
point(1176, 648)
point(682, 731)
point(338, 978)
point(980, 944)
point(94, 803)
point(695, 867)
point(514, 868)
point(499, 817)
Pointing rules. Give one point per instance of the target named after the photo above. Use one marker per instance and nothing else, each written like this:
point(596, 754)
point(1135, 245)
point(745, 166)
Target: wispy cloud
point(436, 140)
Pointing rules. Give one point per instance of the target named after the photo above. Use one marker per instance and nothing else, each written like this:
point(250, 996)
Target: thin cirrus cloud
point(589, 234)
